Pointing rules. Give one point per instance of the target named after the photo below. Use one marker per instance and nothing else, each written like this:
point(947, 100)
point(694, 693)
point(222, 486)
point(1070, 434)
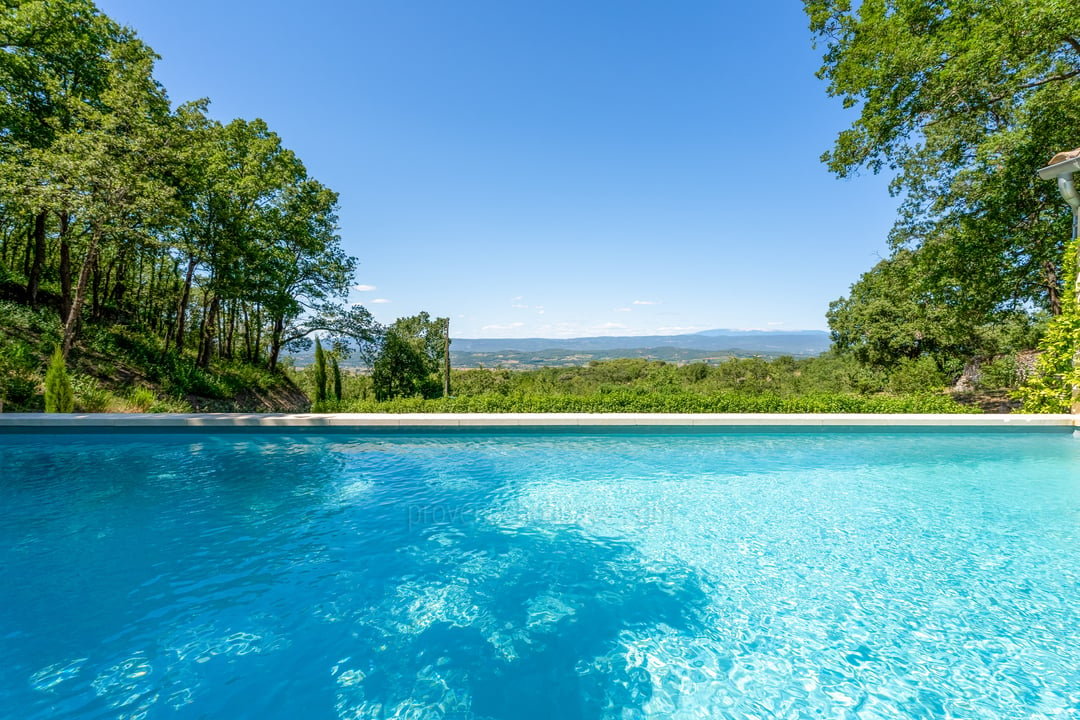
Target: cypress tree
point(320, 372)
point(59, 397)
point(335, 370)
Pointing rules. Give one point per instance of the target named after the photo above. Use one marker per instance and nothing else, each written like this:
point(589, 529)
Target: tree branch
point(986, 103)
point(1034, 84)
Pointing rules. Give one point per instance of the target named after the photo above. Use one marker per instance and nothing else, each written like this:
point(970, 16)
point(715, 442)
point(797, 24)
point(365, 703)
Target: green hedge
point(660, 403)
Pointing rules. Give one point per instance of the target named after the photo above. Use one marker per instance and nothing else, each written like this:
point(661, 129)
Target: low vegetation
point(784, 385)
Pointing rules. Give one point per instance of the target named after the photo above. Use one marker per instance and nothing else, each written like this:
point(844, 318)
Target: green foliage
point(628, 402)
point(27, 337)
point(1057, 370)
point(320, 372)
point(335, 371)
point(785, 376)
point(962, 101)
point(400, 369)
point(825, 384)
point(115, 207)
point(108, 358)
point(999, 373)
point(90, 397)
point(59, 397)
point(409, 360)
point(143, 399)
point(915, 375)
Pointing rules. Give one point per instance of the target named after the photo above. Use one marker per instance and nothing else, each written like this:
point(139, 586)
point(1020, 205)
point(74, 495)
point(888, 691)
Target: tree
point(55, 62)
point(962, 100)
point(306, 270)
point(400, 370)
point(335, 372)
point(901, 311)
point(351, 328)
point(410, 359)
point(320, 372)
point(108, 167)
point(211, 236)
point(59, 397)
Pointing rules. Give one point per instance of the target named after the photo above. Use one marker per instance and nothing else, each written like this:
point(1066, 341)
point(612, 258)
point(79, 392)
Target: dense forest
point(175, 260)
point(197, 240)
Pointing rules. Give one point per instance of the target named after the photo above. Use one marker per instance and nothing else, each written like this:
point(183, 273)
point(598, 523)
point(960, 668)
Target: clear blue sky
point(556, 168)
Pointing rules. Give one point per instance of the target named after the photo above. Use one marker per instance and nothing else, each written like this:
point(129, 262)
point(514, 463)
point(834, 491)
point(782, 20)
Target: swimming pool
point(572, 575)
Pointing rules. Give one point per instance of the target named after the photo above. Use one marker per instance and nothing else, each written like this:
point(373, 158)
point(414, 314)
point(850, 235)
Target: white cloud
point(678, 330)
point(540, 312)
point(560, 330)
point(538, 307)
point(623, 309)
point(516, 298)
point(645, 302)
point(379, 301)
point(364, 288)
point(610, 326)
point(511, 326)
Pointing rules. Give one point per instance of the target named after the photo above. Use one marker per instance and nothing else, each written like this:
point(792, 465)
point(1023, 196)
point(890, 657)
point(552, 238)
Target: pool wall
point(625, 422)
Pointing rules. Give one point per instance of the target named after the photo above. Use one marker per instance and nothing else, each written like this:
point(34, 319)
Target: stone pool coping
point(117, 422)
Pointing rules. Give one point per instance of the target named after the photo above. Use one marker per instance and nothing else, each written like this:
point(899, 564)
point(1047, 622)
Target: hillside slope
point(117, 368)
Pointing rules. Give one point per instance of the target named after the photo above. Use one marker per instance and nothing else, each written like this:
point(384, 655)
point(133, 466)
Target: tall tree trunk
point(119, 285)
point(95, 283)
point(140, 307)
point(258, 333)
point(222, 316)
point(33, 280)
point(231, 331)
point(181, 307)
point(248, 355)
point(28, 250)
point(106, 286)
point(275, 341)
point(65, 266)
point(206, 347)
point(80, 293)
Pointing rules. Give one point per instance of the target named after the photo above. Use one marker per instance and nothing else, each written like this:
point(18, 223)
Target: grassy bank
point(118, 368)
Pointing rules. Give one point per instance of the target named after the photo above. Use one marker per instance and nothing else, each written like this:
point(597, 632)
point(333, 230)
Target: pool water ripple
point(831, 575)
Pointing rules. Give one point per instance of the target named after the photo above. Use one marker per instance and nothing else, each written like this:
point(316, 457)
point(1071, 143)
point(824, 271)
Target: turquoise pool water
point(809, 575)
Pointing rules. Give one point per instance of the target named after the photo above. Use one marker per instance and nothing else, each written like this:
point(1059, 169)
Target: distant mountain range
point(798, 342)
point(710, 346)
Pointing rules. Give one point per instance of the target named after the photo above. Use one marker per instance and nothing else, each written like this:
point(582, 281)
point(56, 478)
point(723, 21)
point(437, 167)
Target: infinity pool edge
point(353, 422)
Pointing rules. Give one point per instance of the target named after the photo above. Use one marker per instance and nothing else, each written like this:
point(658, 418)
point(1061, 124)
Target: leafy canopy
point(960, 101)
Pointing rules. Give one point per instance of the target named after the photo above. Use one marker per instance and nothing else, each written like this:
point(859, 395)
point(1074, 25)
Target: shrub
point(914, 375)
point(89, 396)
point(59, 397)
point(680, 402)
point(142, 399)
